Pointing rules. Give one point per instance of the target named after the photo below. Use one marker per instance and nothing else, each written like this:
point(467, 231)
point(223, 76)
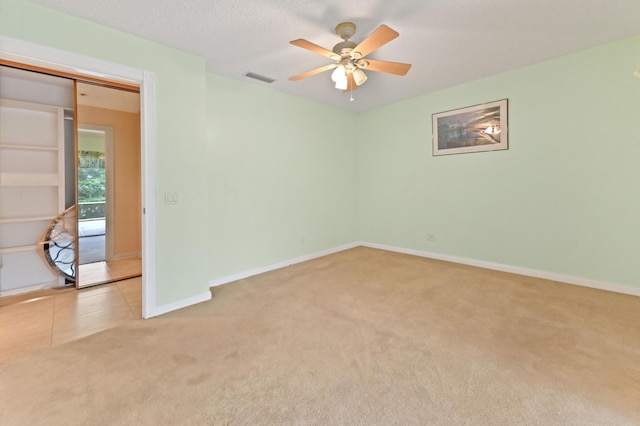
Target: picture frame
point(476, 128)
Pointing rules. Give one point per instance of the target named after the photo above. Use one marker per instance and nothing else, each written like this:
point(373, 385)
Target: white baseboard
point(584, 282)
point(126, 255)
point(552, 276)
point(272, 267)
point(173, 306)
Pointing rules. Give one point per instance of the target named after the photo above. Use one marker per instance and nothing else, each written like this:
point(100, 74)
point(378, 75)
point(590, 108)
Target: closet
point(38, 182)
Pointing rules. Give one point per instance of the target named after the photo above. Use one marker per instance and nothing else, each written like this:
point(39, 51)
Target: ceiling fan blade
point(312, 72)
point(381, 36)
point(314, 48)
point(388, 67)
point(351, 83)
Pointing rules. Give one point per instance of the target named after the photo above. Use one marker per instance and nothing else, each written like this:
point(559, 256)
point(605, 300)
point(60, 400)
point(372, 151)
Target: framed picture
point(472, 129)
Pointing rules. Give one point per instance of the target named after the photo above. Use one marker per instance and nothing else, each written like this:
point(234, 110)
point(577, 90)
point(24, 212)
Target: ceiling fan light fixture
point(350, 66)
point(359, 76)
point(342, 83)
point(338, 73)
point(339, 76)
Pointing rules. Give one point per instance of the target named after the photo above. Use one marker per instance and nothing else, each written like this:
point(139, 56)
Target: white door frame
point(28, 53)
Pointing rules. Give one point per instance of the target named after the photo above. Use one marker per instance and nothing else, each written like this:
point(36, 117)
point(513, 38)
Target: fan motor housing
point(344, 48)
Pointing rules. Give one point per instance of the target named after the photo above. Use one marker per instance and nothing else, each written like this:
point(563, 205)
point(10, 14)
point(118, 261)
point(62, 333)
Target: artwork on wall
point(471, 129)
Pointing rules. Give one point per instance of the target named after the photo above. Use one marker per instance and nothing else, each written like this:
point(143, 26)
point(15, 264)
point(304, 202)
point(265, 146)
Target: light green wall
point(564, 198)
point(281, 177)
point(264, 177)
point(181, 132)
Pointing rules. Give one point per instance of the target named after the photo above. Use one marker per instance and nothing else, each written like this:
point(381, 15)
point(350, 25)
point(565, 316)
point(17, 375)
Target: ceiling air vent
point(260, 77)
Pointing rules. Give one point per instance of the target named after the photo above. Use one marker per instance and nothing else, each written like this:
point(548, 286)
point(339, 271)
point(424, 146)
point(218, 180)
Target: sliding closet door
point(39, 209)
point(109, 184)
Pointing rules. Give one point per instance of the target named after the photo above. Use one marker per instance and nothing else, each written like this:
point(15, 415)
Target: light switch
point(171, 198)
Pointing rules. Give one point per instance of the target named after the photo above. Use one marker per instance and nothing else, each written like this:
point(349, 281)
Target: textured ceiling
point(449, 42)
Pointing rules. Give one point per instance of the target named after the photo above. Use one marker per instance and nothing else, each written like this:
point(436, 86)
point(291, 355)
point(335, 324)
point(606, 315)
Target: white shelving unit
point(31, 191)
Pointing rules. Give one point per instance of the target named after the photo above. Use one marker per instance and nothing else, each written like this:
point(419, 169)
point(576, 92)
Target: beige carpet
point(362, 337)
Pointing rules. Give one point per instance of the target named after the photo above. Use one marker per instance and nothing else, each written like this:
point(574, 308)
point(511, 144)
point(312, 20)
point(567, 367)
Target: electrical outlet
point(430, 237)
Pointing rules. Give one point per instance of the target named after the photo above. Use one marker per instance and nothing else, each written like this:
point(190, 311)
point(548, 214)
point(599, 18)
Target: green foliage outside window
point(92, 185)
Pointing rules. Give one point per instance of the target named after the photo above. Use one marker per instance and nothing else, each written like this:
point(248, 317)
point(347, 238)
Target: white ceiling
point(449, 42)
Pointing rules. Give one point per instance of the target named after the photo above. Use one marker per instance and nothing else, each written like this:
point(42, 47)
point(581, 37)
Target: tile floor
point(112, 270)
point(41, 320)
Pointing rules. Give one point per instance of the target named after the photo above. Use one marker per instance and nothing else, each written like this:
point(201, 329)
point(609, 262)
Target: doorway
point(95, 187)
point(109, 184)
point(14, 51)
point(68, 170)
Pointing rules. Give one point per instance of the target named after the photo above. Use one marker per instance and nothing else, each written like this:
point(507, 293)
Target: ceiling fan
point(349, 57)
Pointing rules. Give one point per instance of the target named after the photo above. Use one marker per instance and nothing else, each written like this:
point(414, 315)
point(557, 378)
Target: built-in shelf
point(20, 249)
point(33, 189)
point(31, 106)
point(28, 147)
point(27, 219)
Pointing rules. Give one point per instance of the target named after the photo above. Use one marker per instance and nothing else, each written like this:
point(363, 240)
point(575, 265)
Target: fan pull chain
point(351, 92)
